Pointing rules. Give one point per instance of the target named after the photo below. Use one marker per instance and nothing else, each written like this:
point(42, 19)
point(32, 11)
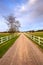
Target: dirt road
point(23, 52)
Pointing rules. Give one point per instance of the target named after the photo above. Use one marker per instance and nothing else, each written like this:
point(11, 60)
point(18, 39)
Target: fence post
point(39, 40)
point(1, 39)
point(7, 38)
point(10, 37)
point(34, 38)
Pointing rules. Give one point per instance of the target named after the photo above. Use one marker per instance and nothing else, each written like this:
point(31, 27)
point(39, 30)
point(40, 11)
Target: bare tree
point(13, 25)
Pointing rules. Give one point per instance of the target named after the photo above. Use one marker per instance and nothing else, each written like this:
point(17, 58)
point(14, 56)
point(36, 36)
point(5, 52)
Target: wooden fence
point(37, 39)
point(6, 38)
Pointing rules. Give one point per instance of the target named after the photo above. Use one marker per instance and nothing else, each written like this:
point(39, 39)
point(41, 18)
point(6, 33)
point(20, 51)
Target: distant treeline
point(35, 31)
point(8, 32)
point(24, 31)
point(39, 31)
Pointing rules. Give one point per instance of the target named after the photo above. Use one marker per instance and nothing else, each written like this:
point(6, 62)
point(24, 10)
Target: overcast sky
point(28, 12)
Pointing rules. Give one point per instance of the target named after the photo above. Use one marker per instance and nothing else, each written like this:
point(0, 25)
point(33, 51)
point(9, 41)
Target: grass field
point(40, 34)
point(4, 34)
point(5, 46)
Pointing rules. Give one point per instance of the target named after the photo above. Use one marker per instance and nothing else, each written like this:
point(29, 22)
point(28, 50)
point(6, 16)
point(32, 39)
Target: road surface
point(23, 52)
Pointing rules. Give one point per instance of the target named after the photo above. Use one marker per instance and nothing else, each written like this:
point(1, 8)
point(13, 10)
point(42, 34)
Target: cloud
point(36, 6)
point(28, 13)
point(24, 10)
point(39, 8)
point(33, 8)
point(31, 2)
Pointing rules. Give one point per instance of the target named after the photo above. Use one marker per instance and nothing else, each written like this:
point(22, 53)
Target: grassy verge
point(7, 45)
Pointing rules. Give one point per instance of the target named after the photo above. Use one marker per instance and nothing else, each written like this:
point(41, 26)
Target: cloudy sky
point(28, 12)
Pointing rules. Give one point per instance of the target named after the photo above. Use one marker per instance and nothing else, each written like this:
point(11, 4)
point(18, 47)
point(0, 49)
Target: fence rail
point(37, 39)
point(6, 38)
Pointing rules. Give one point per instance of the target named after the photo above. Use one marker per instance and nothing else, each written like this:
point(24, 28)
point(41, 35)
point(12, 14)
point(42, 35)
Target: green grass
point(7, 45)
point(40, 34)
point(4, 34)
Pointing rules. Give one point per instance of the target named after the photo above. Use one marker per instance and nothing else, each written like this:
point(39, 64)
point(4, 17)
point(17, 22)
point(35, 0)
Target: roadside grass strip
point(5, 46)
